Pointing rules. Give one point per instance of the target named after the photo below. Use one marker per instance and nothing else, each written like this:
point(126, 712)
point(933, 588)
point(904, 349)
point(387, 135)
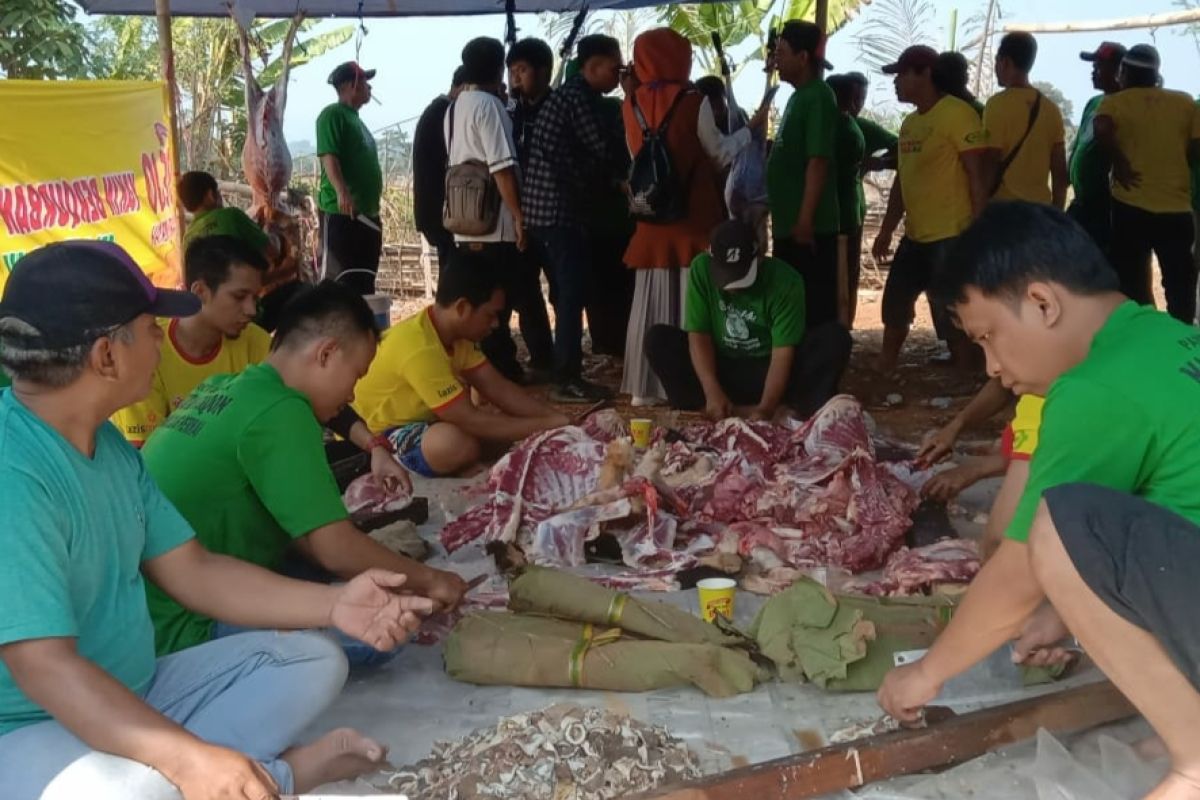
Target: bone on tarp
point(941, 744)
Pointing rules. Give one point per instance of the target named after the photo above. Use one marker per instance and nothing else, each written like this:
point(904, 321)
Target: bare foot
point(337, 756)
point(1176, 787)
point(1151, 748)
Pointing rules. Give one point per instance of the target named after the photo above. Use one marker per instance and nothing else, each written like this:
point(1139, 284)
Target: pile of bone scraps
point(764, 501)
point(561, 753)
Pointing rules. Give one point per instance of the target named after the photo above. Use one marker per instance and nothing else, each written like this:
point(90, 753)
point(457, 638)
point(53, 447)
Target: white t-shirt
point(483, 131)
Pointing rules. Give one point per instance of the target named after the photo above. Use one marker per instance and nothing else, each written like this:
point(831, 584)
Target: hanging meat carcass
point(265, 156)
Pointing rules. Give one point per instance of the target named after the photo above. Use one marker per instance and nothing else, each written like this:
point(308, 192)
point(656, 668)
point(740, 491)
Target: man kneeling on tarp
point(1108, 527)
point(244, 462)
point(744, 349)
point(85, 709)
point(417, 389)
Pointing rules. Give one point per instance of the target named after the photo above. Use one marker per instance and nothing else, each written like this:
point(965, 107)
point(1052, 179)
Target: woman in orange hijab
point(662, 252)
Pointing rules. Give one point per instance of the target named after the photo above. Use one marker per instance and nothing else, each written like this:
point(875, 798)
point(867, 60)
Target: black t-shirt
point(429, 170)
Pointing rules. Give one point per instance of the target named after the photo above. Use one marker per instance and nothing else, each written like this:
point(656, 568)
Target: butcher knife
point(370, 223)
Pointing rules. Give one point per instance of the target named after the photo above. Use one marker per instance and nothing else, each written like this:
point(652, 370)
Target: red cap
point(916, 57)
point(1107, 52)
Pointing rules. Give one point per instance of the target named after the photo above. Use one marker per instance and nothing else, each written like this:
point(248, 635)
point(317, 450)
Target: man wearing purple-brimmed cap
point(351, 183)
point(1152, 136)
point(939, 189)
point(85, 708)
point(1088, 164)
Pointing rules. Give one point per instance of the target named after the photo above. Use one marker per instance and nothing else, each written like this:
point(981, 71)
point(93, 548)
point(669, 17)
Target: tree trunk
point(983, 44)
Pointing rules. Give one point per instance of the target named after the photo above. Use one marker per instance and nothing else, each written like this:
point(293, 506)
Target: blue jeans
point(568, 258)
point(252, 693)
point(359, 654)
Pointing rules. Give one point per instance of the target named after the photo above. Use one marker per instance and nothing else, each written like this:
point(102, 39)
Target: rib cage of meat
point(798, 497)
point(266, 160)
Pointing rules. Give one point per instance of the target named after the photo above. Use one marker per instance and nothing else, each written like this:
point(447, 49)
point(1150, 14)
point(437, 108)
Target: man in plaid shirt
point(570, 154)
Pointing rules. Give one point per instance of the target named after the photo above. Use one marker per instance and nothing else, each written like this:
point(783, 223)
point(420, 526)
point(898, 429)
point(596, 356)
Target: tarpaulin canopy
point(355, 8)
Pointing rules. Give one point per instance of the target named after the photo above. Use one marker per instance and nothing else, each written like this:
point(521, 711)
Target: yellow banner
point(88, 160)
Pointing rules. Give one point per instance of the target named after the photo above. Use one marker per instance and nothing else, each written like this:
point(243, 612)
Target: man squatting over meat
point(85, 708)
point(1108, 527)
point(744, 348)
point(418, 388)
point(243, 460)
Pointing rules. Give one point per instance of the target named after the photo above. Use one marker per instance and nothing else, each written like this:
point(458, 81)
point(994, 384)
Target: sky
point(416, 56)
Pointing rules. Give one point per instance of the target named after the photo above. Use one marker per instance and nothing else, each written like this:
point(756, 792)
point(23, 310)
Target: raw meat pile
point(913, 571)
point(561, 753)
point(365, 495)
point(721, 494)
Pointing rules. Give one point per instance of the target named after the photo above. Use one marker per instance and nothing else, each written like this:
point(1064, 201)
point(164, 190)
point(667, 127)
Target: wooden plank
point(952, 741)
point(1187, 17)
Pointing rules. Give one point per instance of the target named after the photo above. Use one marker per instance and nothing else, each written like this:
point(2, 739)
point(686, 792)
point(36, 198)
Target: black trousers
point(523, 295)
point(816, 371)
point(348, 244)
point(610, 294)
point(817, 264)
point(1135, 234)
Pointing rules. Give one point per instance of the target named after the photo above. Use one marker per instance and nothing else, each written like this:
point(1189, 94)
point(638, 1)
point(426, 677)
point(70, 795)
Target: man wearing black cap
point(1151, 135)
point(801, 186)
point(939, 188)
point(1088, 164)
point(744, 349)
point(351, 183)
point(84, 706)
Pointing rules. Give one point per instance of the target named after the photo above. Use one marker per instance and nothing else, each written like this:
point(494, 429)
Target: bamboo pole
point(1127, 23)
point(822, 16)
point(166, 57)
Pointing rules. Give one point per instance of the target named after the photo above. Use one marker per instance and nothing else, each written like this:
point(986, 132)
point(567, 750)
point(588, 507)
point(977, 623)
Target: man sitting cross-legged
point(417, 387)
point(1108, 527)
point(221, 338)
point(85, 709)
point(745, 350)
point(244, 462)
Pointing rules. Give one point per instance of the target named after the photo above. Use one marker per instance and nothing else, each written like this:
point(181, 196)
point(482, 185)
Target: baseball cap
point(734, 251)
point(802, 35)
point(349, 71)
point(916, 57)
point(74, 291)
point(1107, 51)
point(1143, 56)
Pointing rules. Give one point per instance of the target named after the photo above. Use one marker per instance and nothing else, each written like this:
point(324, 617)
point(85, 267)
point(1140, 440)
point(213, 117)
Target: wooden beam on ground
point(1124, 24)
point(953, 741)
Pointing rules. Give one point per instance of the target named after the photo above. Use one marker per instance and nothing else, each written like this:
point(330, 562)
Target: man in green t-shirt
point(201, 197)
point(1088, 164)
point(351, 183)
point(1108, 528)
point(243, 460)
point(862, 146)
point(744, 349)
point(801, 180)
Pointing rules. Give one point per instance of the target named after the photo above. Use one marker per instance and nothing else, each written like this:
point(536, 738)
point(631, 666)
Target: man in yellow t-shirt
point(1038, 170)
point(1152, 136)
point(227, 275)
point(939, 189)
point(417, 389)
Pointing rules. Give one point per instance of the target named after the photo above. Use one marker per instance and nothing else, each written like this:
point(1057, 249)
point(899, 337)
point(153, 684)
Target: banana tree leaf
point(501, 649)
point(554, 593)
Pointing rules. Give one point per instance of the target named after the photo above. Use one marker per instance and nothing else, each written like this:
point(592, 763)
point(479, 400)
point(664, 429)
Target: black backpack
point(656, 194)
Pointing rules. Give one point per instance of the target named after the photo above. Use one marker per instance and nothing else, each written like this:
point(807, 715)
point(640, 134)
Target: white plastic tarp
point(355, 8)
